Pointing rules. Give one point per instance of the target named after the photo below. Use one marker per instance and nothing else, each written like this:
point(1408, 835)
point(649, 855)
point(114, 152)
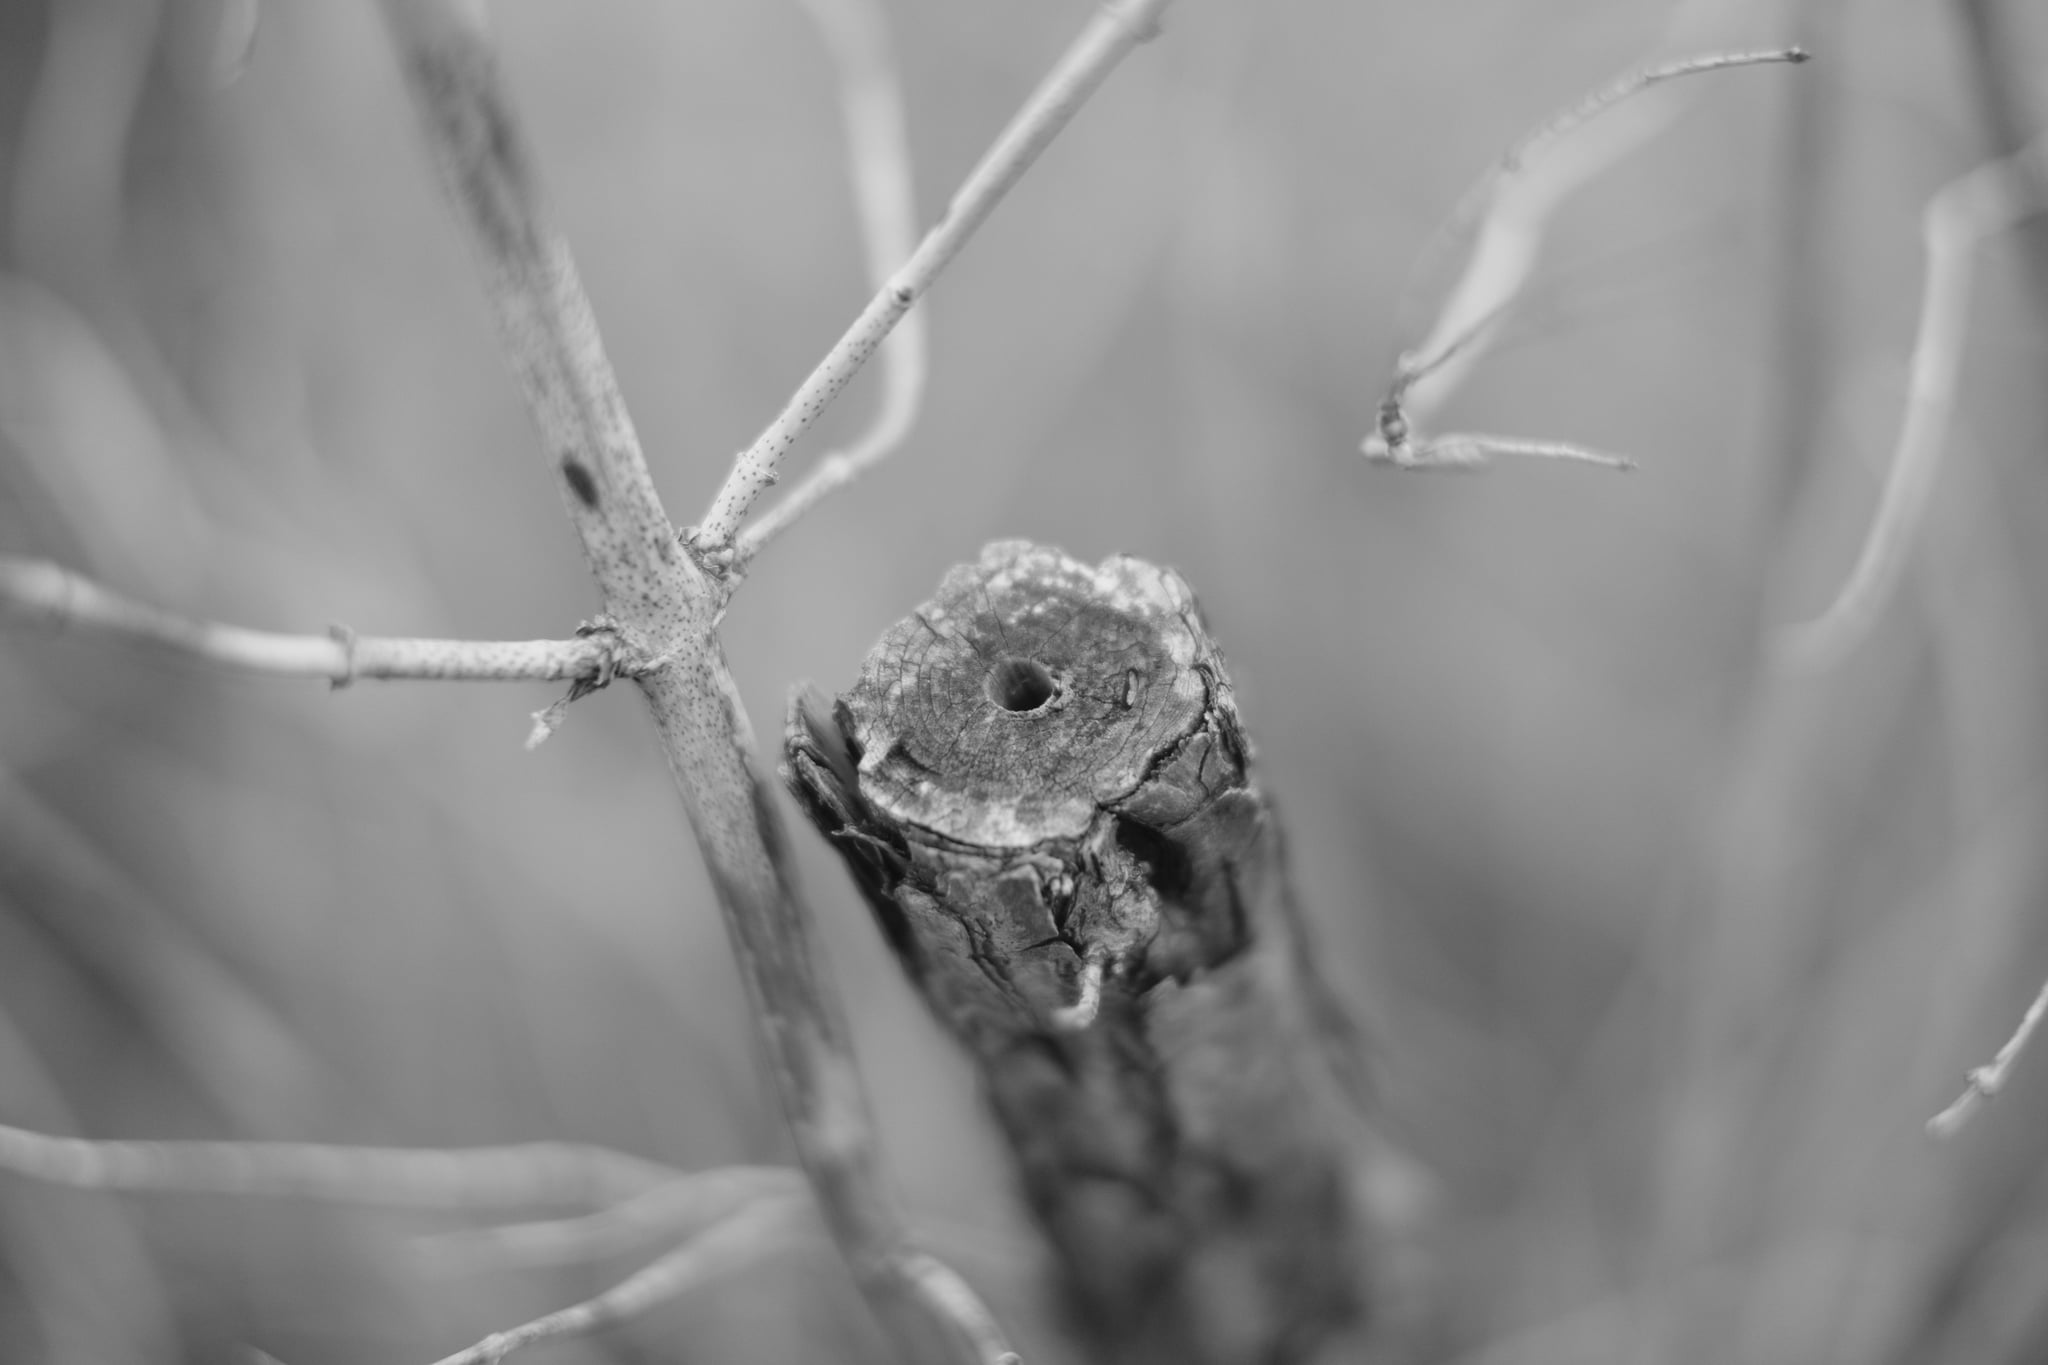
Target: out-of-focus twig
point(669, 1211)
point(878, 154)
point(531, 1173)
point(1962, 213)
point(37, 592)
point(756, 1231)
point(1117, 27)
point(239, 1051)
point(1513, 203)
point(1514, 206)
point(1987, 1081)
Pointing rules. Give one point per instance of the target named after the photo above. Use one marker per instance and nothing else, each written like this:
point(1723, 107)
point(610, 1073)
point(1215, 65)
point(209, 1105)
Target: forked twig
point(1987, 1081)
point(1513, 208)
point(40, 593)
point(1975, 205)
point(754, 1232)
point(660, 592)
point(1117, 27)
point(878, 154)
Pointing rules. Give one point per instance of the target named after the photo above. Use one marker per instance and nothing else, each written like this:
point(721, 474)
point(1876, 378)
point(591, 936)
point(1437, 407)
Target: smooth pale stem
point(762, 1228)
point(421, 1178)
point(42, 594)
point(1986, 1081)
point(1986, 200)
point(667, 1213)
point(1517, 205)
point(1110, 35)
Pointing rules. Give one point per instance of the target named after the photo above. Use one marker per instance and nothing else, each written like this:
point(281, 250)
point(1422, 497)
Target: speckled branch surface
point(666, 608)
point(1118, 26)
point(1042, 785)
point(40, 593)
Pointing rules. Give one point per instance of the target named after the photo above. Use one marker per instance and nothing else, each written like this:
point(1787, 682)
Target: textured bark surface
point(1040, 770)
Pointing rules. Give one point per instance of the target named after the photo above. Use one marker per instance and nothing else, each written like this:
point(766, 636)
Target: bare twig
point(756, 1231)
point(1514, 207)
point(40, 593)
point(661, 595)
point(670, 1211)
point(1116, 29)
point(1987, 1081)
point(1973, 206)
point(418, 1178)
point(2000, 65)
point(878, 152)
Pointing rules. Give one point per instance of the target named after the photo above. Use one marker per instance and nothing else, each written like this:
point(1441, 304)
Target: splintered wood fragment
point(1042, 786)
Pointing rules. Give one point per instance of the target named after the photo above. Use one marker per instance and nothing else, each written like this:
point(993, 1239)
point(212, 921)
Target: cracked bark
point(1041, 778)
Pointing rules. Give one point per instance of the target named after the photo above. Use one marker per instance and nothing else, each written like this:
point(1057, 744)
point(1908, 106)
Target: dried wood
point(1042, 785)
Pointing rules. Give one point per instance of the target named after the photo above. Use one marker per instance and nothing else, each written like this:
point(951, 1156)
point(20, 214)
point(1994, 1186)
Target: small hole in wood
point(1020, 685)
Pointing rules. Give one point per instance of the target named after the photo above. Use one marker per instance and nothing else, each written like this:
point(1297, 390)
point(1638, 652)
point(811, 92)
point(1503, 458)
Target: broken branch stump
point(1042, 786)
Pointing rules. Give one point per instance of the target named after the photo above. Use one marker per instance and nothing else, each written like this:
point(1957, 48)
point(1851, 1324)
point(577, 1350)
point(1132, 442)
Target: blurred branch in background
point(1512, 205)
point(1111, 34)
point(422, 1178)
point(1998, 70)
point(878, 155)
point(667, 1210)
point(1986, 1081)
point(665, 607)
point(1799, 341)
point(742, 1238)
point(1970, 208)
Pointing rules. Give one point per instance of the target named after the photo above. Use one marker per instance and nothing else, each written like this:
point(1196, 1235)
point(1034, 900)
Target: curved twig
point(1968, 209)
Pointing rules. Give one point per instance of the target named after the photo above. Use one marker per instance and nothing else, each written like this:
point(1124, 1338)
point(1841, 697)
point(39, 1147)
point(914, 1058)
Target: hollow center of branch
point(1020, 684)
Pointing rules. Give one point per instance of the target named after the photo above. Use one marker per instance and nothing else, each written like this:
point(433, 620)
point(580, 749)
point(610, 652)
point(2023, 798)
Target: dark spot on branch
point(580, 482)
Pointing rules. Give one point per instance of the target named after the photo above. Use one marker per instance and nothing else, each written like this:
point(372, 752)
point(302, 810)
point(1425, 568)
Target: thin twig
point(531, 1173)
point(660, 594)
point(2000, 68)
point(1973, 206)
point(878, 153)
point(1516, 208)
point(757, 1231)
point(39, 593)
point(1987, 1081)
point(1116, 28)
point(670, 1212)
point(1514, 205)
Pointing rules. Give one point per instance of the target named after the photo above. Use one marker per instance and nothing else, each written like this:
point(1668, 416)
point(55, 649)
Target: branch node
point(346, 637)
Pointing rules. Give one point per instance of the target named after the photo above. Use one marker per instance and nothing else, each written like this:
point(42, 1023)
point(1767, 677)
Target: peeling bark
point(1042, 786)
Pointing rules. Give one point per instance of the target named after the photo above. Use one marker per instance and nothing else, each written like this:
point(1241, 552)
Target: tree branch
point(1998, 67)
point(1514, 207)
point(1116, 28)
point(878, 153)
point(1987, 1081)
point(664, 602)
point(752, 1233)
point(40, 593)
point(397, 1177)
point(1968, 209)
point(673, 1210)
